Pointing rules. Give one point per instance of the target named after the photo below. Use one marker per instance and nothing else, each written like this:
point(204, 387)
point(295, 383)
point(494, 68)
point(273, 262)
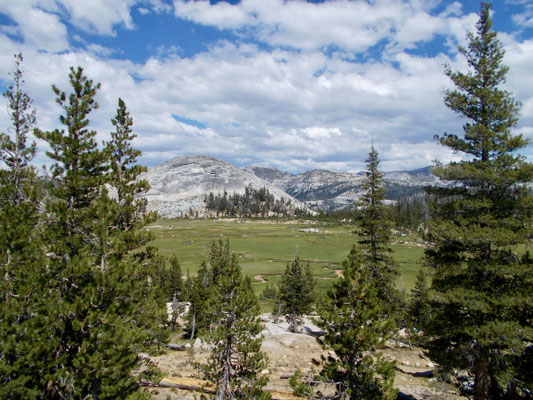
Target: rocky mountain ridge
point(180, 185)
point(328, 190)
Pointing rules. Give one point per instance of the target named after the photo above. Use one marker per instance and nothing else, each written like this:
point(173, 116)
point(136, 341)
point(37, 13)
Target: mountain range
point(180, 185)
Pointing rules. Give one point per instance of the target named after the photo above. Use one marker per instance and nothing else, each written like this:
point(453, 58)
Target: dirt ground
point(288, 351)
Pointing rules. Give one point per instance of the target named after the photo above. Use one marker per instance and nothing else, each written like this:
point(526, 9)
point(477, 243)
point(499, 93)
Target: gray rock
point(180, 184)
point(321, 189)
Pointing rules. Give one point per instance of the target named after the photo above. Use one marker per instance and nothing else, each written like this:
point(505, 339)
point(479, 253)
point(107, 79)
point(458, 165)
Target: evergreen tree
point(22, 266)
point(296, 293)
point(198, 316)
point(100, 309)
point(78, 171)
point(418, 311)
point(375, 233)
point(123, 176)
point(175, 286)
point(14, 150)
point(356, 330)
point(481, 297)
point(236, 359)
point(219, 257)
point(19, 195)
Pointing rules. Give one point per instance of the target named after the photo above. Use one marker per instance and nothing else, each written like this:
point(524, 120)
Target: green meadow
point(264, 247)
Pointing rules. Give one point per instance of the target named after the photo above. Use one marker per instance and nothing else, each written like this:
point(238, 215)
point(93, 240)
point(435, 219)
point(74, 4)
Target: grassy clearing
point(265, 247)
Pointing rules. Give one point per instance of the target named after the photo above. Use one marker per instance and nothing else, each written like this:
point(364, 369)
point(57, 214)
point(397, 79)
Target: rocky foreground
point(290, 351)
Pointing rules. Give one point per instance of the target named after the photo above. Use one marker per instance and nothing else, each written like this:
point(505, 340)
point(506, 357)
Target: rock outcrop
point(180, 185)
point(328, 190)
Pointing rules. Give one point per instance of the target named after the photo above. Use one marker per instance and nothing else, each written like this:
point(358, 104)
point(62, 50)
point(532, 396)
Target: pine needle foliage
point(481, 298)
point(375, 234)
point(15, 152)
point(199, 296)
point(91, 306)
point(418, 310)
point(22, 265)
point(356, 330)
point(236, 361)
point(295, 292)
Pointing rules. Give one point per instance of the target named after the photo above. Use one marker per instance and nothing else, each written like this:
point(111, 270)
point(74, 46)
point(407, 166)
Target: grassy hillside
point(265, 247)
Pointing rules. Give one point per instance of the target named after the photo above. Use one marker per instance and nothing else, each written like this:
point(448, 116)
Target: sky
point(296, 85)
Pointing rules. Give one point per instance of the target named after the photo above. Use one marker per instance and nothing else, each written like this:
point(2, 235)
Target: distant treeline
point(405, 214)
point(252, 202)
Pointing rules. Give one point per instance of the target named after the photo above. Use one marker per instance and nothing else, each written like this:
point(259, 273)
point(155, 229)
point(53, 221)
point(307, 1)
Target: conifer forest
point(92, 298)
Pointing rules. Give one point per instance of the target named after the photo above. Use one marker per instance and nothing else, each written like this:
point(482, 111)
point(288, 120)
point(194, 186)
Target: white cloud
point(525, 18)
point(353, 26)
point(99, 16)
point(40, 29)
point(38, 21)
point(100, 50)
point(295, 109)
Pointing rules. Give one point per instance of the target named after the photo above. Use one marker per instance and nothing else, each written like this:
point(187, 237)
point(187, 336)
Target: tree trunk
point(174, 315)
point(193, 325)
point(278, 311)
point(481, 378)
point(221, 392)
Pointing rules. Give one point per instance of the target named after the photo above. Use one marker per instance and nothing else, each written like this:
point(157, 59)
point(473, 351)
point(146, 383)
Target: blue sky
point(292, 84)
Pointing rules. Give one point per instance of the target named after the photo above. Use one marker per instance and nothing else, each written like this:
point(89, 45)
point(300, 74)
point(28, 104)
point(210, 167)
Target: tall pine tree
point(22, 266)
point(15, 152)
point(236, 360)
point(296, 292)
point(356, 330)
point(375, 233)
point(481, 298)
point(199, 295)
point(100, 308)
point(123, 177)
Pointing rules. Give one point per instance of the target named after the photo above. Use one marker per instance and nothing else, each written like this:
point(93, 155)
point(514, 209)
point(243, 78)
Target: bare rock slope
point(180, 184)
point(321, 189)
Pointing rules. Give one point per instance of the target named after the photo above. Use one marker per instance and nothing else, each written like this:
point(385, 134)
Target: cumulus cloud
point(39, 21)
point(290, 104)
point(350, 26)
point(99, 16)
point(525, 18)
point(38, 27)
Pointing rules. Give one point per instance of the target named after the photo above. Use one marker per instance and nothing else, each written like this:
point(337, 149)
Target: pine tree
point(174, 288)
point(199, 295)
point(78, 171)
point(236, 360)
point(219, 257)
point(19, 195)
point(481, 297)
point(123, 177)
point(375, 234)
point(205, 287)
point(418, 311)
point(296, 293)
point(22, 265)
point(100, 309)
point(15, 152)
point(356, 330)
